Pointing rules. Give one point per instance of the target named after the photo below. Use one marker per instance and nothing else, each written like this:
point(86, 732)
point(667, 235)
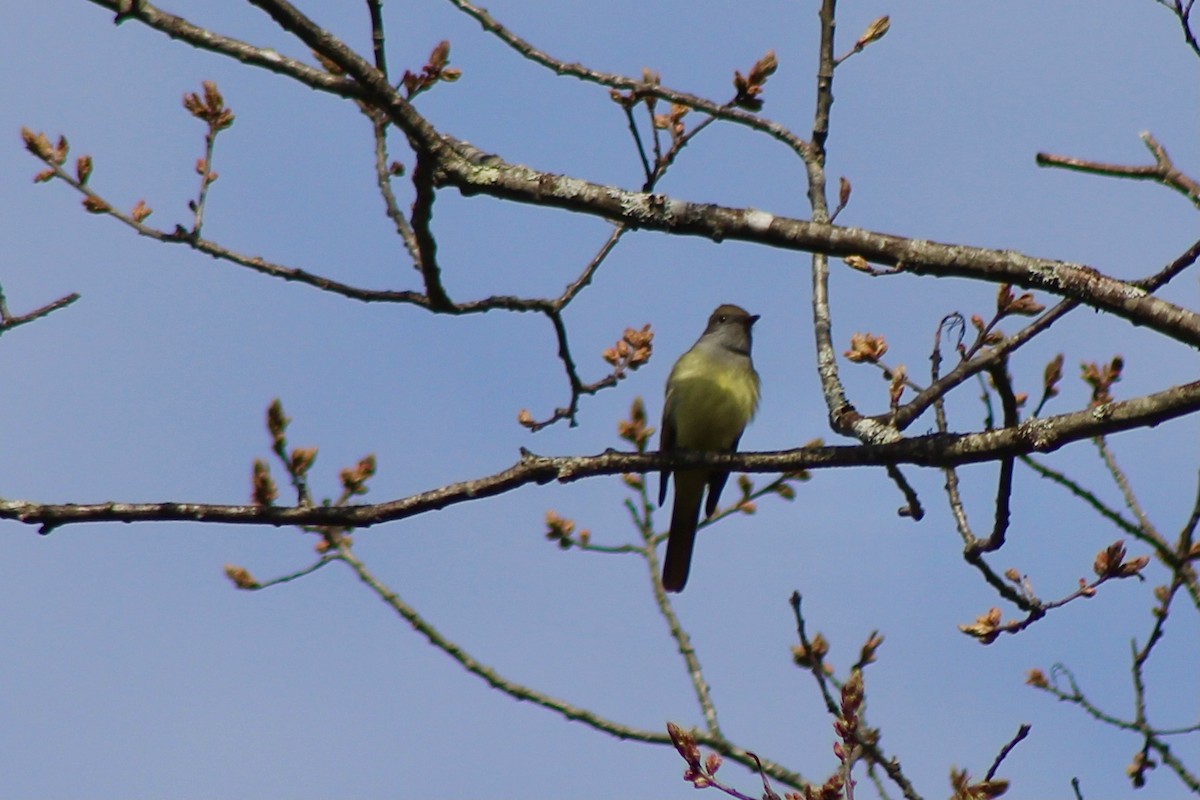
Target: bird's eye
point(722, 318)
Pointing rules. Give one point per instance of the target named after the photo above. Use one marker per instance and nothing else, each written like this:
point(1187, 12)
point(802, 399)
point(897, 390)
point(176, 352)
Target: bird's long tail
point(685, 515)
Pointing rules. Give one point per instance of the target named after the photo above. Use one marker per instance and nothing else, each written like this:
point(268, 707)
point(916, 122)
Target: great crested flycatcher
point(712, 394)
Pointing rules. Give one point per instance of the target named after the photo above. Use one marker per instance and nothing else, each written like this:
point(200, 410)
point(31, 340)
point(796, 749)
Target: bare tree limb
point(473, 171)
point(1022, 732)
point(516, 690)
point(179, 28)
point(1182, 10)
point(1160, 278)
point(1003, 503)
point(422, 217)
point(8, 321)
point(378, 39)
point(1163, 171)
point(483, 173)
point(935, 450)
point(683, 642)
point(383, 175)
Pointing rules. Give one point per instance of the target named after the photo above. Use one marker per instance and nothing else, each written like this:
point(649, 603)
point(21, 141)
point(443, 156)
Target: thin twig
point(422, 216)
point(637, 141)
point(1146, 528)
point(972, 550)
point(589, 271)
point(561, 707)
point(656, 139)
point(1022, 732)
point(1089, 497)
point(816, 663)
point(1186, 571)
point(375, 9)
point(1008, 402)
point(206, 180)
point(872, 752)
point(527, 50)
point(643, 520)
point(383, 180)
point(1164, 552)
point(8, 321)
point(683, 642)
point(553, 312)
point(1183, 12)
point(1189, 778)
point(979, 362)
point(577, 386)
point(310, 569)
point(663, 161)
point(1163, 170)
point(912, 503)
point(1160, 278)
point(1152, 737)
point(489, 675)
point(876, 781)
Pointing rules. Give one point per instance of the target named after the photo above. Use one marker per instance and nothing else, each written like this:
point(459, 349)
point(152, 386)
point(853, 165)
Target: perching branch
point(935, 450)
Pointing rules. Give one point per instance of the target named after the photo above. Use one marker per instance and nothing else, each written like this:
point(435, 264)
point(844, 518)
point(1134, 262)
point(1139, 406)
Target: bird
point(711, 395)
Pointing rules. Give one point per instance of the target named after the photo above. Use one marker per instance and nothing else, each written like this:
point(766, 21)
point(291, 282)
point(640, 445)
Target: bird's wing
point(666, 443)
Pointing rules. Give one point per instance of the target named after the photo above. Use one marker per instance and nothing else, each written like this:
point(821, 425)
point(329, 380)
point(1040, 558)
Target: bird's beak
point(750, 320)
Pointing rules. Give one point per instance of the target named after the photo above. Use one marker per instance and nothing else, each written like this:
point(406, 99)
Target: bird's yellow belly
point(711, 405)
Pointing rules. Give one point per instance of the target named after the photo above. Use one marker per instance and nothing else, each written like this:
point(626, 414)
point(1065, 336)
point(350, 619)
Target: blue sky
point(134, 670)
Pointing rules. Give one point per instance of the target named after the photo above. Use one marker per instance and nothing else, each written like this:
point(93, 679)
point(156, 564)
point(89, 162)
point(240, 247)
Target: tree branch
point(8, 321)
point(1182, 11)
point(478, 172)
point(473, 171)
point(614, 81)
point(422, 217)
point(179, 28)
point(934, 450)
point(1162, 171)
